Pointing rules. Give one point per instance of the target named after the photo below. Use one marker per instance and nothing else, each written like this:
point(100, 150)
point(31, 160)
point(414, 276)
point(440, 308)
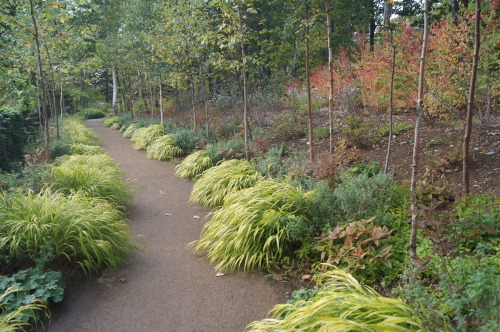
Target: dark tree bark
point(330, 72)
point(245, 89)
point(308, 84)
point(42, 81)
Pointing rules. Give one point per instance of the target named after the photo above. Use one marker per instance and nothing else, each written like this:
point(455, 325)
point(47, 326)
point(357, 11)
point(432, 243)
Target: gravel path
point(167, 287)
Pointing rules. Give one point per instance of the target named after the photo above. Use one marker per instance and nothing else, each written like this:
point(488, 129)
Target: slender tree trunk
point(161, 101)
point(245, 89)
point(193, 98)
point(42, 83)
point(205, 104)
point(470, 103)
point(4, 152)
point(418, 123)
point(330, 72)
point(373, 26)
point(61, 98)
point(387, 24)
point(308, 84)
point(115, 89)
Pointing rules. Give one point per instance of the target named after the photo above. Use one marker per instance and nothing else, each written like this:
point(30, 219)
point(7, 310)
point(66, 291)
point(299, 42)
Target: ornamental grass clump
point(97, 175)
point(78, 148)
point(219, 181)
point(130, 130)
point(164, 148)
point(108, 122)
point(145, 137)
point(194, 165)
point(250, 230)
point(76, 228)
point(76, 132)
point(342, 304)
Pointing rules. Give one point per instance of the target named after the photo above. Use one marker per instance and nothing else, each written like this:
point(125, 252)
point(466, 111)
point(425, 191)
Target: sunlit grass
point(145, 137)
point(219, 181)
point(194, 164)
point(87, 231)
point(130, 130)
point(97, 175)
point(342, 304)
point(250, 231)
point(164, 148)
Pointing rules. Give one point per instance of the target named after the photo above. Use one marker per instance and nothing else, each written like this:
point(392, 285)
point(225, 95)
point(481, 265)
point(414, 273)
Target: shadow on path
point(168, 287)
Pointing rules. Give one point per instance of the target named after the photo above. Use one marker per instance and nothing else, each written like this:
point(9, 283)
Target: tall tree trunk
point(161, 101)
point(42, 83)
point(470, 102)
point(330, 72)
point(308, 85)
point(205, 103)
point(387, 24)
point(61, 98)
point(245, 89)
point(4, 152)
point(115, 89)
point(373, 26)
point(418, 124)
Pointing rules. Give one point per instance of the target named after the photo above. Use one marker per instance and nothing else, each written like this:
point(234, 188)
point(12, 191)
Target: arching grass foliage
point(164, 148)
point(97, 175)
point(250, 230)
point(194, 165)
point(77, 228)
point(341, 304)
point(144, 137)
point(219, 181)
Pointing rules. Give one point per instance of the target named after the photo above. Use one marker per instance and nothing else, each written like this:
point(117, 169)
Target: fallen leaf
point(278, 277)
point(167, 214)
point(196, 217)
point(306, 277)
point(219, 274)
point(122, 280)
point(161, 192)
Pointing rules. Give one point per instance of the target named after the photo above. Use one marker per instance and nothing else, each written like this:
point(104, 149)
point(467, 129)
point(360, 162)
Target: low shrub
point(250, 230)
point(130, 130)
point(144, 137)
point(341, 304)
point(359, 247)
point(194, 165)
point(164, 148)
point(58, 148)
point(225, 150)
point(270, 163)
point(219, 181)
point(93, 113)
point(76, 228)
point(363, 196)
point(358, 132)
point(96, 175)
point(185, 139)
point(397, 129)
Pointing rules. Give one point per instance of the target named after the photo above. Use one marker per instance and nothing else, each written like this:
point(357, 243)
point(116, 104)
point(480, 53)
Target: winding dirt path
point(167, 287)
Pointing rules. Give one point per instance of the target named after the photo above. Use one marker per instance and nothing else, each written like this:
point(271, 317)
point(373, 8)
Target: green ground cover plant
point(21, 317)
point(251, 229)
point(164, 148)
point(97, 175)
point(341, 304)
point(77, 229)
point(219, 181)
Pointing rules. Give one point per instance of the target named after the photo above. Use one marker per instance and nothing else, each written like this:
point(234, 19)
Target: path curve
point(168, 287)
